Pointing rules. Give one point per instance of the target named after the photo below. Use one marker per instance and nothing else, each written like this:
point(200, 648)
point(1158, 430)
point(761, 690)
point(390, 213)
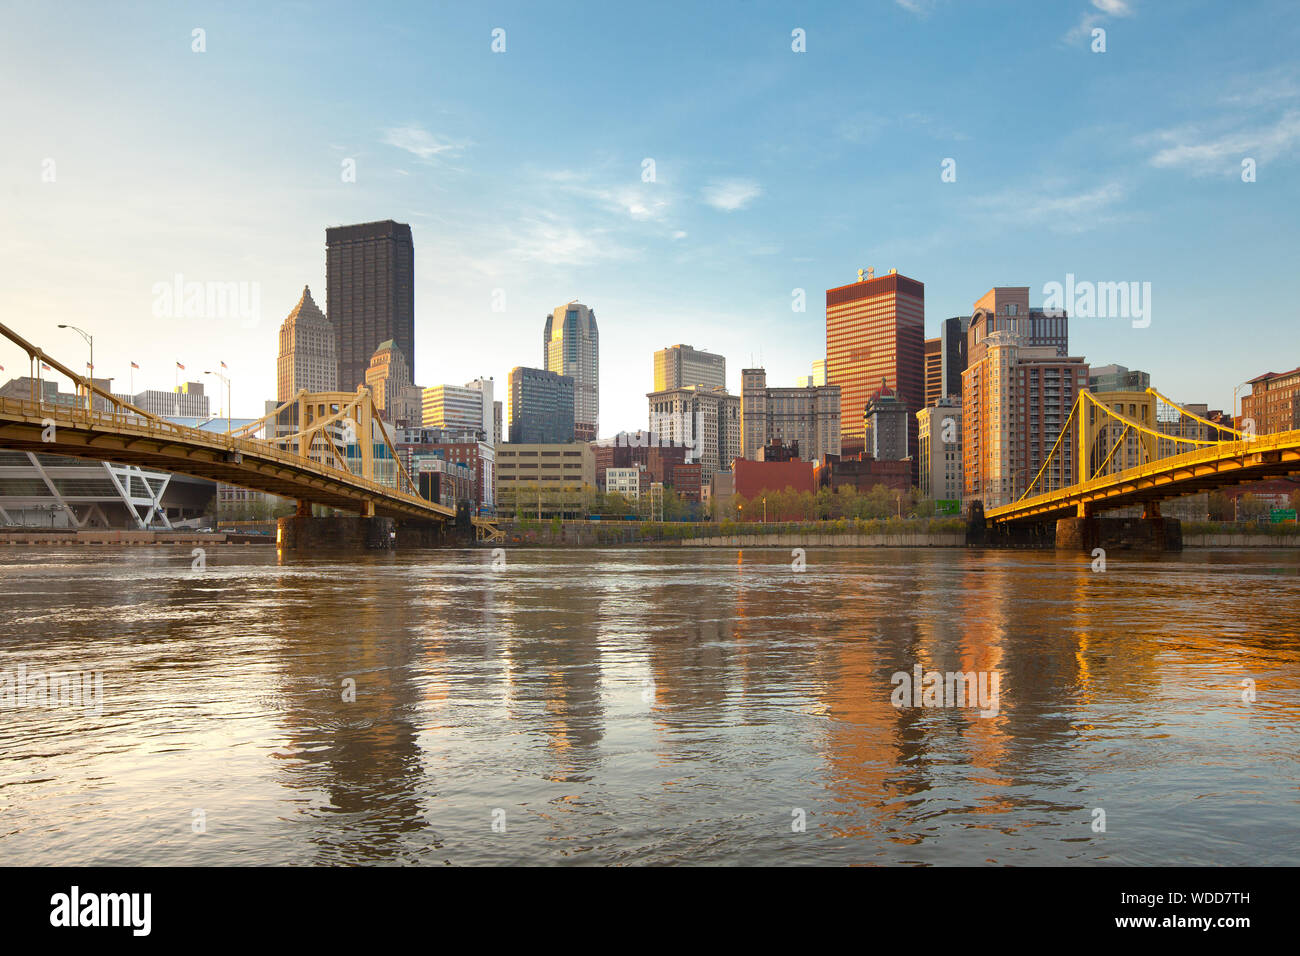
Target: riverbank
point(57, 537)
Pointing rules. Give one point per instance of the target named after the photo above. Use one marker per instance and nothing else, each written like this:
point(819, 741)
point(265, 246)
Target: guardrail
point(131, 423)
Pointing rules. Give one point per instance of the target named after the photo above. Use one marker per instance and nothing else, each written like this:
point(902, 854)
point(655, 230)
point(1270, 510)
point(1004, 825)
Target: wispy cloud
point(1205, 153)
point(1061, 211)
point(922, 8)
point(731, 194)
point(1102, 11)
point(418, 141)
point(867, 126)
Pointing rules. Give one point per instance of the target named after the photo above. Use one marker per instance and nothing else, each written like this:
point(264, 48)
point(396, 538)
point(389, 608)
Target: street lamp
point(90, 340)
point(227, 381)
point(764, 511)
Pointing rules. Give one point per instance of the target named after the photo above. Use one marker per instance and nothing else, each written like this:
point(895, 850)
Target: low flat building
point(547, 480)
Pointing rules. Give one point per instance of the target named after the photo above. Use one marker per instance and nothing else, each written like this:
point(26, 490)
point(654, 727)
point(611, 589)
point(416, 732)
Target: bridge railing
point(125, 422)
point(1256, 445)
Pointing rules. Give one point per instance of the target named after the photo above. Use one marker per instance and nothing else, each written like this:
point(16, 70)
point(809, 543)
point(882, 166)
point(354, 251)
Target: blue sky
point(522, 171)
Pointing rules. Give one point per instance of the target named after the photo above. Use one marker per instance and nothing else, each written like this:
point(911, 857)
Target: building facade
point(464, 408)
point(370, 294)
point(886, 426)
point(544, 479)
point(541, 407)
point(308, 356)
point(809, 415)
point(707, 421)
point(875, 330)
point(1015, 401)
point(389, 378)
point(1273, 404)
point(952, 353)
point(625, 482)
point(681, 365)
point(933, 371)
point(1117, 378)
point(571, 347)
point(938, 437)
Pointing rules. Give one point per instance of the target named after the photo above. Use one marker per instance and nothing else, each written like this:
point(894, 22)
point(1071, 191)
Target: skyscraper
point(952, 350)
point(541, 407)
point(875, 330)
point(933, 371)
point(308, 357)
point(370, 294)
point(680, 365)
point(571, 346)
point(389, 379)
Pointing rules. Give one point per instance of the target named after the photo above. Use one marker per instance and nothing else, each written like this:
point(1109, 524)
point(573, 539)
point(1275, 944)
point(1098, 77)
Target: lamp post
point(764, 511)
point(227, 381)
point(1236, 422)
point(90, 340)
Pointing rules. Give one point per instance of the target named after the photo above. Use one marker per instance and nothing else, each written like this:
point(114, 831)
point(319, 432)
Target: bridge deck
point(1217, 466)
point(164, 446)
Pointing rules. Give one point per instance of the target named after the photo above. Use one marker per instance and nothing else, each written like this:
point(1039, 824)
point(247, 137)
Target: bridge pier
point(301, 532)
point(1148, 533)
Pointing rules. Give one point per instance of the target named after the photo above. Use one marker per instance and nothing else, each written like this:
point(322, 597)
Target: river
point(640, 706)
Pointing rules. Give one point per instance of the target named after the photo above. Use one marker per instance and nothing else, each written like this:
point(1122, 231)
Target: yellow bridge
point(311, 465)
point(1112, 441)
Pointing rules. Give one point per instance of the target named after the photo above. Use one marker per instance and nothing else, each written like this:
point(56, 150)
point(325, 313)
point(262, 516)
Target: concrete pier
point(341, 533)
point(1119, 534)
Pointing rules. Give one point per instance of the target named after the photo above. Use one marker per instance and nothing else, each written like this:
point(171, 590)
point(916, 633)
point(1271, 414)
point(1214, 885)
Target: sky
point(681, 168)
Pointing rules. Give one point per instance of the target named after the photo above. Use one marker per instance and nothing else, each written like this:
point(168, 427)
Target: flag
point(90, 367)
point(223, 365)
point(133, 365)
point(180, 366)
point(46, 368)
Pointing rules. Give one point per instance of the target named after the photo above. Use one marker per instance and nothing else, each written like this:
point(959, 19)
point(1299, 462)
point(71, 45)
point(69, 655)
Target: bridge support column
point(338, 533)
point(1148, 533)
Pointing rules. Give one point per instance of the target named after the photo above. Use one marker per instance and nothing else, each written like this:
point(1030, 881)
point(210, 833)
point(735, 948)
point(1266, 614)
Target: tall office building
point(370, 294)
point(875, 330)
point(389, 380)
point(933, 371)
point(308, 357)
point(808, 415)
point(571, 346)
point(705, 420)
point(1015, 401)
point(1006, 309)
point(541, 407)
point(681, 365)
point(952, 353)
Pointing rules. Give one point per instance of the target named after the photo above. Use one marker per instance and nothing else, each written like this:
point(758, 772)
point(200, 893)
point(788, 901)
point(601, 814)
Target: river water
point(649, 707)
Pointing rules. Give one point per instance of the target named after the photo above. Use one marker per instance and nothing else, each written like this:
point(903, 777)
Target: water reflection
point(625, 706)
